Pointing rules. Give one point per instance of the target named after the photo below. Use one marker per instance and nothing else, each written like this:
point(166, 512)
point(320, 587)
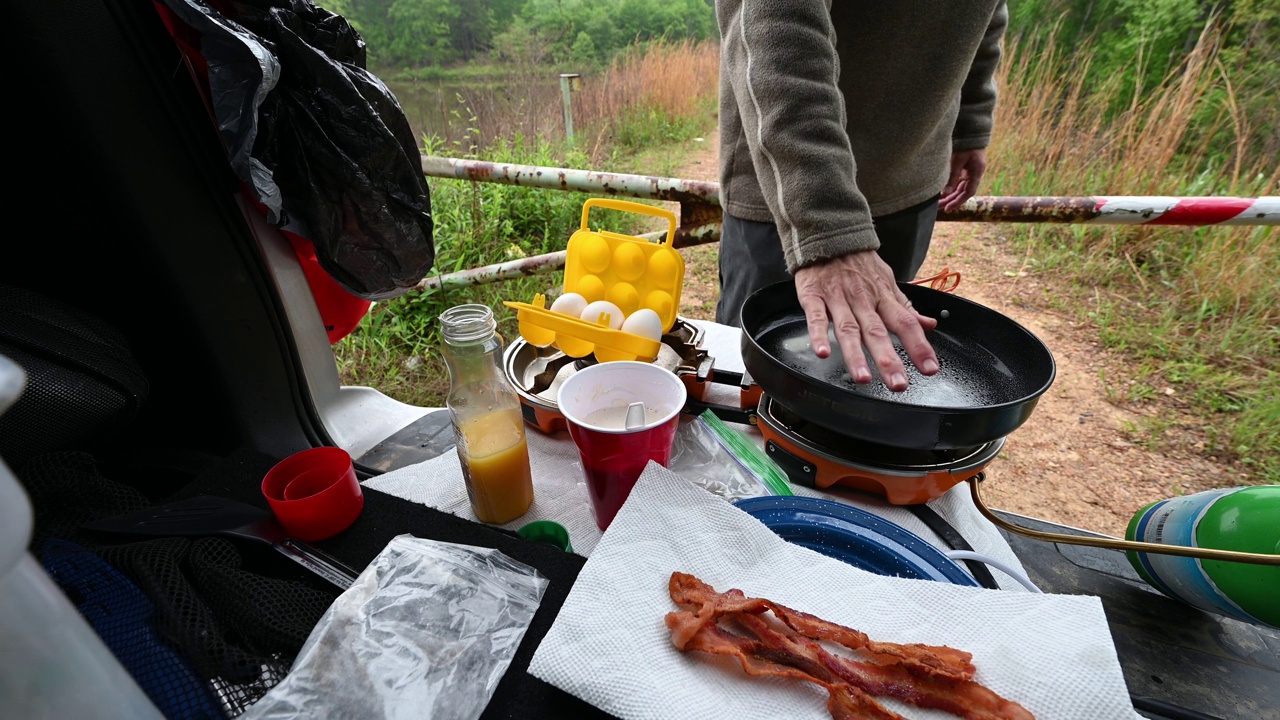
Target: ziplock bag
point(426, 631)
point(714, 456)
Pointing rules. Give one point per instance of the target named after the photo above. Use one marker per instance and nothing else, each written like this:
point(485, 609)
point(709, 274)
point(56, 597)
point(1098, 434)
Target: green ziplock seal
point(748, 454)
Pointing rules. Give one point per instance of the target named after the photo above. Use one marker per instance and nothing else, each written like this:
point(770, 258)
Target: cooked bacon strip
point(965, 698)
point(912, 673)
point(845, 702)
point(923, 660)
point(928, 660)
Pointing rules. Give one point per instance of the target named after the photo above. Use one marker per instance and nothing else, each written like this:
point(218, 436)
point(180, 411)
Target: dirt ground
point(1075, 460)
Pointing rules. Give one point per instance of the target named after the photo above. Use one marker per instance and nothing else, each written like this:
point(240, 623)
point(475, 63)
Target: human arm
point(972, 132)
point(780, 63)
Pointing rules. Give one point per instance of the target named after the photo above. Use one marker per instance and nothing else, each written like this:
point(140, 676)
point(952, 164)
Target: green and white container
point(1244, 519)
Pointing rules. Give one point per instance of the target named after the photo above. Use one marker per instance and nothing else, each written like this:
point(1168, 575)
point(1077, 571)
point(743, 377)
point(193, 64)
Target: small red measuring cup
point(315, 494)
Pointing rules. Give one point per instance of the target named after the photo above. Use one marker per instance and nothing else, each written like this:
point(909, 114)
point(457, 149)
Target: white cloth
point(559, 488)
point(560, 491)
point(1053, 654)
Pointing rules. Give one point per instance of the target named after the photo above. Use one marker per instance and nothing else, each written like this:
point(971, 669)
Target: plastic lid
point(547, 531)
point(628, 271)
point(857, 537)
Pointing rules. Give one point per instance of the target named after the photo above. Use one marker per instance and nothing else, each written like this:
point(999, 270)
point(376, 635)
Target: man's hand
point(967, 168)
point(858, 294)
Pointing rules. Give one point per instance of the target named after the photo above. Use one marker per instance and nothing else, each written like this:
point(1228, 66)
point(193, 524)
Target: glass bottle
point(487, 421)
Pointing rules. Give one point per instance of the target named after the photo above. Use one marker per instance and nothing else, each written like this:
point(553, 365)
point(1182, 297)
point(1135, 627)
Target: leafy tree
point(437, 32)
point(584, 49)
point(421, 31)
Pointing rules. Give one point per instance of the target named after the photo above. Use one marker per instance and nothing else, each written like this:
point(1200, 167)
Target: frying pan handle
point(945, 280)
point(634, 207)
point(317, 562)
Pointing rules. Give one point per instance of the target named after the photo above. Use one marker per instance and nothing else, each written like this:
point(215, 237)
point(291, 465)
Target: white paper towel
point(610, 647)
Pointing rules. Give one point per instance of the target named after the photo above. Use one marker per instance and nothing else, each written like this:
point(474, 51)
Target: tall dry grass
point(1197, 306)
point(670, 79)
point(1185, 136)
point(658, 82)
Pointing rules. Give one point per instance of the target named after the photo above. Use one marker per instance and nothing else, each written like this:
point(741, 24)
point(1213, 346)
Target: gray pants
point(751, 253)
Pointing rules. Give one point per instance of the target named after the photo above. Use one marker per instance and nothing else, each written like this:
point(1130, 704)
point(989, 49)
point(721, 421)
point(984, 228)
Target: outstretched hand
point(967, 168)
point(859, 296)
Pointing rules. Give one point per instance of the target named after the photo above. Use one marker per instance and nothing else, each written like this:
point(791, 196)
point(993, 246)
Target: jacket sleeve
point(780, 59)
point(978, 94)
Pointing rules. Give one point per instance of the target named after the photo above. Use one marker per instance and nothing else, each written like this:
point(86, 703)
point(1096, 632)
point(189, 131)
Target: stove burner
point(859, 451)
point(816, 456)
point(538, 372)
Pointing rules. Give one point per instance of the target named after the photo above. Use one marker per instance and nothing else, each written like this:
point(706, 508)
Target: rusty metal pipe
point(585, 181)
point(704, 198)
point(523, 267)
point(700, 213)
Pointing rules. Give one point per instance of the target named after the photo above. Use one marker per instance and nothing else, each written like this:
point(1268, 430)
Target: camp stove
point(538, 372)
point(819, 457)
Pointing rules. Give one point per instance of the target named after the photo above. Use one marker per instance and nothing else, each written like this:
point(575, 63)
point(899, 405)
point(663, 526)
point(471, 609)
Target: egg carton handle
point(632, 207)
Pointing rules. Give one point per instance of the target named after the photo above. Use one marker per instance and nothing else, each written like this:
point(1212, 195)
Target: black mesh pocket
point(203, 635)
point(82, 380)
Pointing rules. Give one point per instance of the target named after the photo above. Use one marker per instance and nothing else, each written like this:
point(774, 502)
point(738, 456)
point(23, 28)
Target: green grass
point(1220, 358)
point(396, 347)
point(651, 127)
point(469, 73)
point(1193, 310)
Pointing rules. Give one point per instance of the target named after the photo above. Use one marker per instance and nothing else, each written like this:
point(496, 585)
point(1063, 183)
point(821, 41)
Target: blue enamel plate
point(857, 537)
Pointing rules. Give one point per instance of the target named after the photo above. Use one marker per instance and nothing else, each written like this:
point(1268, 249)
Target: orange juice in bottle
point(496, 464)
point(487, 422)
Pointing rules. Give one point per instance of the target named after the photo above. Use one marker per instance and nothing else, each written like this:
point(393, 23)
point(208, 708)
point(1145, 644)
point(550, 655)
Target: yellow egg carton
point(628, 271)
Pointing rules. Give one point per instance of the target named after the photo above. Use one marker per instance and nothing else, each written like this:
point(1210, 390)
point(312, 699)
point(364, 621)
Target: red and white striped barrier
point(1121, 210)
point(1138, 210)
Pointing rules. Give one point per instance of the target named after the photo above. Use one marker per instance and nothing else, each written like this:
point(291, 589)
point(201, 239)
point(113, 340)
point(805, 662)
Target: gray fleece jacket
point(831, 113)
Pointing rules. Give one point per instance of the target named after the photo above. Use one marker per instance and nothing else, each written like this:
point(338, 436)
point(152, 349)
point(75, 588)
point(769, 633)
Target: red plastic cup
point(314, 493)
point(594, 403)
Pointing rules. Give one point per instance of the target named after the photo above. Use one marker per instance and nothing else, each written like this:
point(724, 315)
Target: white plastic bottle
point(52, 663)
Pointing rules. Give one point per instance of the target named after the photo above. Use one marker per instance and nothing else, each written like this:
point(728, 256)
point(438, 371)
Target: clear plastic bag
point(426, 631)
point(714, 456)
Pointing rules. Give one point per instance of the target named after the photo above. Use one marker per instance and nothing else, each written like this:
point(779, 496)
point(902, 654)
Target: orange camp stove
point(819, 457)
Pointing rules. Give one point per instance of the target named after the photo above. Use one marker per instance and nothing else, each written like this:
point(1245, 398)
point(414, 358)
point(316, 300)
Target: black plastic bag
point(322, 143)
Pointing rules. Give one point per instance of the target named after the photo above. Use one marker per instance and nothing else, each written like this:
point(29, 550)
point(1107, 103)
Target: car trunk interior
point(130, 218)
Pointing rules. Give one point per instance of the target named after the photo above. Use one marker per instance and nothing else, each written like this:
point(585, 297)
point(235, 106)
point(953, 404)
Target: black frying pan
point(993, 371)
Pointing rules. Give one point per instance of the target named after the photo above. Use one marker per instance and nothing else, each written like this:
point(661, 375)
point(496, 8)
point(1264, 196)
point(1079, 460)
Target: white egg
point(592, 313)
point(645, 323)
point(569, 304)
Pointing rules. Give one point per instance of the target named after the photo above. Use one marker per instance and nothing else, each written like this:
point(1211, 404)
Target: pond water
point(489, 107)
